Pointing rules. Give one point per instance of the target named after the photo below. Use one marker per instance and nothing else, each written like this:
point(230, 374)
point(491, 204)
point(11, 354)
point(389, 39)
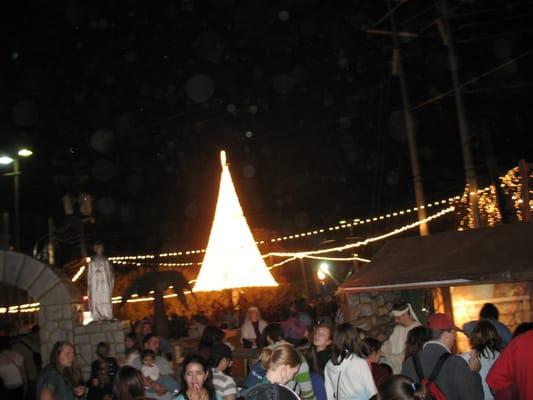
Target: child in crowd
point(371, 350)
point(149, 369)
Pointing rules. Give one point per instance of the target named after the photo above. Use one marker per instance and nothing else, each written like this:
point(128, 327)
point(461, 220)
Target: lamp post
point(6, 160)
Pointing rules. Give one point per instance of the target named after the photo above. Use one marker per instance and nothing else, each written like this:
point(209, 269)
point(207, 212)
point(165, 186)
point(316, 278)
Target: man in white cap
point(394, 349)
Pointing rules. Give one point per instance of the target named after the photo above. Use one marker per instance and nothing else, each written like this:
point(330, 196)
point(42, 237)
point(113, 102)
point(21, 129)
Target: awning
point(476, 256)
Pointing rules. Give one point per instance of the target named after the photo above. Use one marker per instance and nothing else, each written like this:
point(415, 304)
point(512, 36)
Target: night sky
point(131, 101)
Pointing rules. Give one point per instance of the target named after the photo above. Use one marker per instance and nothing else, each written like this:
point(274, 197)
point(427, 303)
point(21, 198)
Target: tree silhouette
point(159, 281)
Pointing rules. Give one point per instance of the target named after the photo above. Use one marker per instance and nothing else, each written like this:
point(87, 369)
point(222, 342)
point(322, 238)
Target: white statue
point(100, 282)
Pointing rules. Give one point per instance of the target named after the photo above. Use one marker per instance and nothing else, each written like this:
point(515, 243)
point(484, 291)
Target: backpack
point(429, 383)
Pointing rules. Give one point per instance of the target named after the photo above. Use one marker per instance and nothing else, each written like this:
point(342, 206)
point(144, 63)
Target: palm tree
point(159, 281)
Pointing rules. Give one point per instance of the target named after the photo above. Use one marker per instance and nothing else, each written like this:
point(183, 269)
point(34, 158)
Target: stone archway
point(58, 298)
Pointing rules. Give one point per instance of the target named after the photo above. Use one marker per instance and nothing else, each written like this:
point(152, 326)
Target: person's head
point(442, 329)
point(401, 313)
point(399, 387)
point(151, 342)
point(102, 349)
point(148, 357)
point(146, 328)
point(416, 338)
point(136, 328)
point(212, 334)
point(62, 355)
point(522, 328)
point(322, 337)
point(221, 356)
point(98, 248)
point(130, 341)
point(273, 333)
point(195, 374)
point(253, 314)
point(361, 333)
point(128, 384)
point(282, 362)
point(485, 339)
point(345, 342)
point(371, 349)
point(489, 311)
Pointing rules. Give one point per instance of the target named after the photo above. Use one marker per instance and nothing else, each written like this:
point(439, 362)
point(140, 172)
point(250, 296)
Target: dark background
point(131, 101)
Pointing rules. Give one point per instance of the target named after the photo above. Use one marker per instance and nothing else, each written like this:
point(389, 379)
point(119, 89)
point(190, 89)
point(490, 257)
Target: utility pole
point(16, 179)
point(51, 242)
point(410, 130)
point(470, 170)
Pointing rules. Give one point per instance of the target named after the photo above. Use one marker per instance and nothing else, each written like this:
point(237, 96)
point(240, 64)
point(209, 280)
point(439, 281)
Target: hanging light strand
point(396, 231)
point(300, 235)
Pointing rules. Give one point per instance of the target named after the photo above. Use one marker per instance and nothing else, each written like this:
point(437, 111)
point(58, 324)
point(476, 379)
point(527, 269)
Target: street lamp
point(6, 160)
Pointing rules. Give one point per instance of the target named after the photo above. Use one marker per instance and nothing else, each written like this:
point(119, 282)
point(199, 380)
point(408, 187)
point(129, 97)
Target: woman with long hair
point(128, 384)
point(61, 378)
point(132, 348)
point(399, 387)
point(348, 376)
point(196, 380)
point(273, 336)
point(487, 344)
point(281, 362)
point(317, 355)
point(416, 338)
point(212, 334)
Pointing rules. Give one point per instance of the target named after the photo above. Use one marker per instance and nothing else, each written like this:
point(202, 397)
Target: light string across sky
point(340, 226)
point(313, 254)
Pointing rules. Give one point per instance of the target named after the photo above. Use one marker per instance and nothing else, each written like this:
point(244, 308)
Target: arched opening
point(57, 300)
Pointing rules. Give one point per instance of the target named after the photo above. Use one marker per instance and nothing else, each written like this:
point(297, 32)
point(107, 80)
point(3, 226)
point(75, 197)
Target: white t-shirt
point(10, 365)
point(151, 372)
point(486, 364)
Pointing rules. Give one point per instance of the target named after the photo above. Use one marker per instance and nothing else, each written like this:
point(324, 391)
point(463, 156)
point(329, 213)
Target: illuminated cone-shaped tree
point(232, 259)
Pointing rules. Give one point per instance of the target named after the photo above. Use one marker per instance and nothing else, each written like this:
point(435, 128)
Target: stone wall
point(371, 312)
point(87, 337)
point(56, 322)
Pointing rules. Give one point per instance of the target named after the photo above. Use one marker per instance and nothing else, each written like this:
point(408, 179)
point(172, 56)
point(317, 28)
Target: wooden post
point(410, 130)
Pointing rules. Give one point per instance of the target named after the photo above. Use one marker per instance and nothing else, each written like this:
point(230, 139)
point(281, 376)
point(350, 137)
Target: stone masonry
point(371, 312)
point(87, 337)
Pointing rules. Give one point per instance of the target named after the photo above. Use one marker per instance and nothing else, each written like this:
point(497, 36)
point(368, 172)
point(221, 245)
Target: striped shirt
point(224, 384)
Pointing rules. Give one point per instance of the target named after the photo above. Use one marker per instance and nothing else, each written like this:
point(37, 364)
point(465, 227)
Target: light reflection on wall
point(512, 300)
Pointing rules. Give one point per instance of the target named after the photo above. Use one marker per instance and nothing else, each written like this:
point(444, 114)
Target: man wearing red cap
point(457, 379)
point(513, 370)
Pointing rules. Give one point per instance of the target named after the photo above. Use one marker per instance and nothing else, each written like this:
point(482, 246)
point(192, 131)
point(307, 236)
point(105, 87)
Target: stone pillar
point(56, 323)
point(87, 337)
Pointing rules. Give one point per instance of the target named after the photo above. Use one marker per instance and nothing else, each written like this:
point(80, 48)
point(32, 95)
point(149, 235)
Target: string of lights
point(134, 260)
point(355, 258)
point(343, 224)
point(302, 254)
point(292, 256)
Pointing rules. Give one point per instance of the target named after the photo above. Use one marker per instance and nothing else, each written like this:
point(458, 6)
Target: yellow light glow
point(321, 276)
point(232, 259)
point(25, 152)
point(78, 274)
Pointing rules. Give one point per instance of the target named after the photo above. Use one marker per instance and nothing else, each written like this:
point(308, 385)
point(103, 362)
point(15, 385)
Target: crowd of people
point(298, 359)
